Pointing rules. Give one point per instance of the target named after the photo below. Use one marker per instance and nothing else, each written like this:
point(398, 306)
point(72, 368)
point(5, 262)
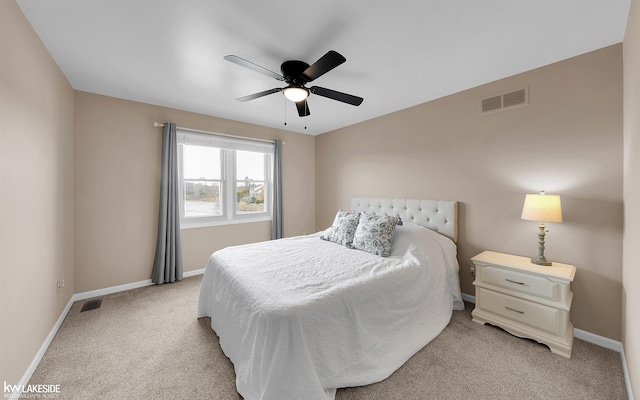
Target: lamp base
point(541, 262)
point(541, 259)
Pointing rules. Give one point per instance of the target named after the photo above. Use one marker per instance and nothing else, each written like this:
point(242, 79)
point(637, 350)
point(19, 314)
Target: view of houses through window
point(250, 182)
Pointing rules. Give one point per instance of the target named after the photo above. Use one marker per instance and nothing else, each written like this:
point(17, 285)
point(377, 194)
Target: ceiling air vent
point(502, 101)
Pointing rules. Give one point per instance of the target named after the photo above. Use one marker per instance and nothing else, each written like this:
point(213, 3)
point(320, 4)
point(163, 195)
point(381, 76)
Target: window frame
point(228, 182)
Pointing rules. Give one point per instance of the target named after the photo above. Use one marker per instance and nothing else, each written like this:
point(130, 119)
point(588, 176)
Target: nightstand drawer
point(523, 283)
point(522, 311)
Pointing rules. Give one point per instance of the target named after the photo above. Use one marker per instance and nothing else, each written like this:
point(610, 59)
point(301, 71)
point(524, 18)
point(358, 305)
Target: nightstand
point(526, 300)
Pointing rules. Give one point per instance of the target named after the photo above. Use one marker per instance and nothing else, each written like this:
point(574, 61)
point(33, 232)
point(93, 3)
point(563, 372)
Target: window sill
point(205, 224)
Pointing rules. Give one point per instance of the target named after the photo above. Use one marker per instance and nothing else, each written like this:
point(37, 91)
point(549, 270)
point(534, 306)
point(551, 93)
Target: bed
point(300, 317)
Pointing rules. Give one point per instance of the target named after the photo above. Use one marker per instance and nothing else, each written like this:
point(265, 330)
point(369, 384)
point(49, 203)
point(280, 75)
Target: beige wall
point(36, 192)
point(631, 255)
point(86, 195)
point(567, 141)
point(117, 181)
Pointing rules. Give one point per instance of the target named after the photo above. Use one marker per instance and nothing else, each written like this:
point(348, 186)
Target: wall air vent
point(491, 103)
point(503, 101)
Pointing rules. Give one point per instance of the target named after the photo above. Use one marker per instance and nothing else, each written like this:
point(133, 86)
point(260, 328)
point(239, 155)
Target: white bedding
point(300, 317)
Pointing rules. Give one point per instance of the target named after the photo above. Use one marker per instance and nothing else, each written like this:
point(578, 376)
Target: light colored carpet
point(147, 344)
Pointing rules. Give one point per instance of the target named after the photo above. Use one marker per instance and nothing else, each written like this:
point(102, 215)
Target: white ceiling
point(399, 53)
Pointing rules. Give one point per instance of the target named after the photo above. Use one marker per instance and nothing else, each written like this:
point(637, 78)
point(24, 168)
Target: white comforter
point(300, 317)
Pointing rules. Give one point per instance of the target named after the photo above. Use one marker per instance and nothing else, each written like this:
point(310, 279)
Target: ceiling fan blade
point(303, 108)
point(325, 64)
point(261, 94)
point(253, 66)
point(335, 95)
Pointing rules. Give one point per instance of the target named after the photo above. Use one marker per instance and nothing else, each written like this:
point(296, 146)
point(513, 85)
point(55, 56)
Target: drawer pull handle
point(511, 309)
point(517, 283)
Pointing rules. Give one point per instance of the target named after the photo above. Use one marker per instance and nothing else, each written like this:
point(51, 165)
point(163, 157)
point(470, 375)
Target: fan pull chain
point(306, 114)
point(285, 112)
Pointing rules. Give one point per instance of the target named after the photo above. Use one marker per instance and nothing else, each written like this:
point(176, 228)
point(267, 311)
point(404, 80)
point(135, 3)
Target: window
point(223, 180)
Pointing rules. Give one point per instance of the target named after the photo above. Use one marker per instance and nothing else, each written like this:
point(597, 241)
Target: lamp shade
point(542, 208)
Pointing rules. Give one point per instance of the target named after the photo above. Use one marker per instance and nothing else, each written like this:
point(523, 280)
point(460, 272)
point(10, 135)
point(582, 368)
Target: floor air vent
point(91, 305)
point(503, 101)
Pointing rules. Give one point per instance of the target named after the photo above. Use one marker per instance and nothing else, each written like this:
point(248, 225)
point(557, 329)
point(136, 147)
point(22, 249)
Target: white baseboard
point(110, 290)
point(36, 360)
point(591, 338)
point(127, 286)
point(469, 298)
point(77, 297)
point(627, 378)
point(611, 345)
point(597, 339)
point(193, 273)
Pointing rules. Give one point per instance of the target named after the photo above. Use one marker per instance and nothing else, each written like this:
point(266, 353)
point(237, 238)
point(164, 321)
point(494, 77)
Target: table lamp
point(542, 208)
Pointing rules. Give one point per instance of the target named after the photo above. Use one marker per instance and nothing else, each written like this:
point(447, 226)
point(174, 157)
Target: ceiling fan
point(297, 74)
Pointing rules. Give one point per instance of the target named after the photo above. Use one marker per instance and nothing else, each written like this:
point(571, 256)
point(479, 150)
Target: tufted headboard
point(438, 215)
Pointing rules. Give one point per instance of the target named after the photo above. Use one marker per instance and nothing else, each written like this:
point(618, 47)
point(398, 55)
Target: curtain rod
point(155, 124)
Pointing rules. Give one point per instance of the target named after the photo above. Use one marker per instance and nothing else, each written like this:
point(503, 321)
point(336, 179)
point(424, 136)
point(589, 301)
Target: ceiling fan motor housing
point(293, 70)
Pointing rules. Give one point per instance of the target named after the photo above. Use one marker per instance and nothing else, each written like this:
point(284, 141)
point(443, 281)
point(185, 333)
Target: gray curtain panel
point(167, 266)
point(277, 224)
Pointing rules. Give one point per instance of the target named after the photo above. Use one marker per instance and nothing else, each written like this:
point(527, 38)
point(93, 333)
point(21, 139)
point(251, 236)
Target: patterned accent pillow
point(343, 228)
point(374, 234)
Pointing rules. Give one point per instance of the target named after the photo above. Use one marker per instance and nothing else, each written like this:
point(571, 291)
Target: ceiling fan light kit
point(295, 93)
point(296, 74)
